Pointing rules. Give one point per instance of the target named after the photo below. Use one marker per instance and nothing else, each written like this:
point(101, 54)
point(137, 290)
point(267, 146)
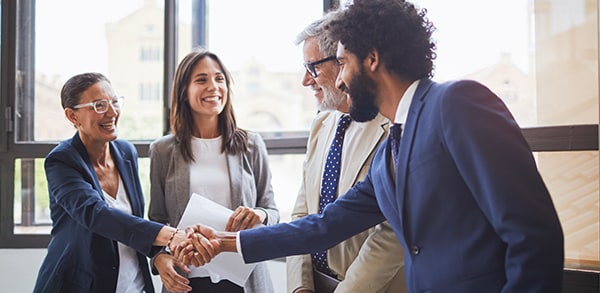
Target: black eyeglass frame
point(310, 66)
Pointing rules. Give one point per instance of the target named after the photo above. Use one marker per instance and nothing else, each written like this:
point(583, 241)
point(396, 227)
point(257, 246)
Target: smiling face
point(207, 89)
point(361, 88)
point(95, 128)
point(328, 96)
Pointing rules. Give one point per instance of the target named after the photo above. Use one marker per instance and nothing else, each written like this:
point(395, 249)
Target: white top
point(130, 276)
point(209, 177)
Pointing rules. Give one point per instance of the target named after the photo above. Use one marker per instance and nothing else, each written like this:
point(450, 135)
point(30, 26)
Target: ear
point(71, 116)
point(372, 60)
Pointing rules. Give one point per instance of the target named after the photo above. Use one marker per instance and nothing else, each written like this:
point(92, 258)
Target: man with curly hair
point(460, 188)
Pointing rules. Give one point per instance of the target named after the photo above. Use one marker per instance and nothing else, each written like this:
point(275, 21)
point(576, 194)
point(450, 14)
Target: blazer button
point(415, 249)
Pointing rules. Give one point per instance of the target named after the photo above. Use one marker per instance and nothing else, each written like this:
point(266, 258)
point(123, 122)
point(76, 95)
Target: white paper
point(227, 265)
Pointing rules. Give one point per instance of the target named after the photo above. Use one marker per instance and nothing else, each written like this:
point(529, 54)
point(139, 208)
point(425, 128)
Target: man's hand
point(165, 265)
point(200, 247)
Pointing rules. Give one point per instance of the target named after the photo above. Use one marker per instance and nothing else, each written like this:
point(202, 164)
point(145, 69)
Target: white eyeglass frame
point(110, 102)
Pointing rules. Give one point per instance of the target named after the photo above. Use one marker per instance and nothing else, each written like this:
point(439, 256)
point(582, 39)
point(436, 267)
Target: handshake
point(201, 244)
point(198, 245)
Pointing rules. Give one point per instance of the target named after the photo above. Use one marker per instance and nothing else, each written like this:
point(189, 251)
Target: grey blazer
point(249, 180)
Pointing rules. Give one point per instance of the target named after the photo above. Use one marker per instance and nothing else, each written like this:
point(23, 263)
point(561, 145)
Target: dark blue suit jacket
point(82, 254)
point(467, 203)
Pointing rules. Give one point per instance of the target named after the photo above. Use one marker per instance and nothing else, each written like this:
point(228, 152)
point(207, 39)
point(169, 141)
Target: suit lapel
point(315, 169)
point(182, 175)
point(127, 175)
point(407, 141)
point(235, 163)
point(78, 144)
point(370, 136)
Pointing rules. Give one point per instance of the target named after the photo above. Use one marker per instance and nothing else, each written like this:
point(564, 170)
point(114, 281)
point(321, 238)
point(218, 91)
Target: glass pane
point(287, 176)
point(572, 178)
point(258, 48)
point(144, 165)
point(121, 39)
point(31, 201)
point(539, 56)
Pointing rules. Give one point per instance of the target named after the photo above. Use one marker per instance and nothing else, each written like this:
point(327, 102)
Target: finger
point(204, 252)
point(179, 284)
point(176, 252)
point(184, 268)
point(249, 221)
point(172, 280)
point(243, 219)
point(185, 255)
point(193, 256)
point(234, 219)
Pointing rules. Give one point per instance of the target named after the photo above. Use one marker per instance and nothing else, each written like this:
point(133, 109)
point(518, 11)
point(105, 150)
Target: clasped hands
point(200, 247)
point(201, 244)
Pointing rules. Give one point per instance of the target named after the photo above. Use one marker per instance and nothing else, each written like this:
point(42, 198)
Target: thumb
point(182, 266)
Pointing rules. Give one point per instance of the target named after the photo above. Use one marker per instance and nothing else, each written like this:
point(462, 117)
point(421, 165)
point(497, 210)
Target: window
point(150, 91)
point(539, 56)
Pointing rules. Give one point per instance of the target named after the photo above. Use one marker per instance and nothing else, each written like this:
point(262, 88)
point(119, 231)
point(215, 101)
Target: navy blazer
point(468, 203)
point(82, 254)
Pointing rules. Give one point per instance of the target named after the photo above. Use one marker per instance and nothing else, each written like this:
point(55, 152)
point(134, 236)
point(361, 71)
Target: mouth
point(212, 99)
point(109, 125)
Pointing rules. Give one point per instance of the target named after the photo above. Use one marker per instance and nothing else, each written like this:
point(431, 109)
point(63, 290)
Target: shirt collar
point(404, 105)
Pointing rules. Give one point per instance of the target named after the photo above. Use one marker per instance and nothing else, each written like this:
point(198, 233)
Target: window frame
point(559, 138)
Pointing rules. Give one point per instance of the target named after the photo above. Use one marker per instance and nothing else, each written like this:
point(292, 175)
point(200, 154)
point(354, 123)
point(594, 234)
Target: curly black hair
point(395, 28)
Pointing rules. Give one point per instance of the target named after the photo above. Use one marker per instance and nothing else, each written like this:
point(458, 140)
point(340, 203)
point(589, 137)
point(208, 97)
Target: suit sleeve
point(157, 210)
point(262, 176)
point(351, 213)
point(498, 167)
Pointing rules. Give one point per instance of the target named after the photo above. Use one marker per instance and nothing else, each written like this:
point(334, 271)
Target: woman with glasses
point(99, 239)
point(208, 154)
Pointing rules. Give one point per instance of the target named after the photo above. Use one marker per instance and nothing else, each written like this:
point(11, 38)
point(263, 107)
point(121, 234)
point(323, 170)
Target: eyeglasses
point(310, 67)
point(101, 106)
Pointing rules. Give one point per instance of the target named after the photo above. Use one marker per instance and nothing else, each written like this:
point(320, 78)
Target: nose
point(339, 83)
point(212, 84)
point(112, 110)
point(307, 79)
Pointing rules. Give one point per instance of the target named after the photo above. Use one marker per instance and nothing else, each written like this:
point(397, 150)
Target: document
point(227, 265)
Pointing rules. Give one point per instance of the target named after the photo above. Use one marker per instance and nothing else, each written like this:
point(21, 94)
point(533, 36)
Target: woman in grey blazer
point(208, 154)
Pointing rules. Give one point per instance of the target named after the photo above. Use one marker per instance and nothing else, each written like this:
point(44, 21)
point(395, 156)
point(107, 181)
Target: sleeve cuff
point(238, 244)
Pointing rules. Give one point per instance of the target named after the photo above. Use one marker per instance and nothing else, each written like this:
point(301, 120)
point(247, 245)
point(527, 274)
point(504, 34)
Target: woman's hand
point(244, 218)
point(165, 265)
point(198, 249)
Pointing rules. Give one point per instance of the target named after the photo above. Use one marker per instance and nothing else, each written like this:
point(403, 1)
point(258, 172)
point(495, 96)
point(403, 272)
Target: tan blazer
point(372, 261)
point(249, 180)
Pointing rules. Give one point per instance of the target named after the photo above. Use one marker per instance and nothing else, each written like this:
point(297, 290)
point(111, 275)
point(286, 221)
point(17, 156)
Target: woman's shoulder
point(162, 142)
point(255, 140)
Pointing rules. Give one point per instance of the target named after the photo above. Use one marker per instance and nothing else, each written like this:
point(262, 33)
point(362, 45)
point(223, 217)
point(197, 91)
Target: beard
point(332, 99)
point(362, 94)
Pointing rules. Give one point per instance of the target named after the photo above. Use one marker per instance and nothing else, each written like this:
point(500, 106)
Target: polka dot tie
point(394, 140)
point(329, 185)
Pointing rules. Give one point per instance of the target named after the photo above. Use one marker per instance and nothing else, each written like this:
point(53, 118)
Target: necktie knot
point(343, 123)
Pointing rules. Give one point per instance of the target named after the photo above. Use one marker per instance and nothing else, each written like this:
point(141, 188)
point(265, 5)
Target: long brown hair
point(235, 139)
